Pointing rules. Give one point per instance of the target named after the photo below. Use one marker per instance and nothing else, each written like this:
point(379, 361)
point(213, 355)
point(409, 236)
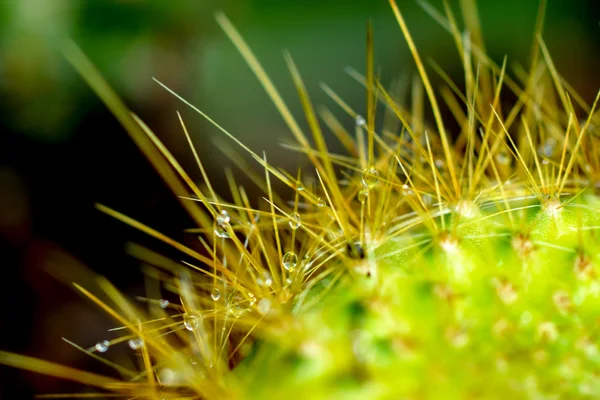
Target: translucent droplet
point(167, 377)
point(264, 305)
point(190, 322)
point(299, 186)
point(252, 300)
point(502, 157)
point(363, 195)
point(547, 148)
point(321, 202)
point(360, 120)
point(306, 261)
point(221, 232)
point(102, 346)
point(439, 163)
point(135, 343)
point(163, 303)
point(406, 190)
point(427, 200)
point(290, 260)
point(370, 177)
point(215, 294)
point(295, 221)
point(264, 279)
point(223, 218)
point(236, 305)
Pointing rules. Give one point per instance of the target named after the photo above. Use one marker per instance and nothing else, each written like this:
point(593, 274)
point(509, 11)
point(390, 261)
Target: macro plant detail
point(426, 262)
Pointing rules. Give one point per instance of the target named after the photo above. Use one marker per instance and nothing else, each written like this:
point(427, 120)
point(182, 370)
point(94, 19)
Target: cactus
point(422, 264)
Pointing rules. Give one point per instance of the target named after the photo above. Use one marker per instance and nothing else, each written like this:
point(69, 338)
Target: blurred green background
point(61, 151)
point(179, 43)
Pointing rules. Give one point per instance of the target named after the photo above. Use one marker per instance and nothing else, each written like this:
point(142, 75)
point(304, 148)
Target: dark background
point(61, 151)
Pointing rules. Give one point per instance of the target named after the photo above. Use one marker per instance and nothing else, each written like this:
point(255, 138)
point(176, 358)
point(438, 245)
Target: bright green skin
point(402, 335)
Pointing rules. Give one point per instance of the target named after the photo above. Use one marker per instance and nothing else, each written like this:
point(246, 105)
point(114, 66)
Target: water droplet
point(427, 200)
point(136, 343)
point(363, 195)
point(294, 220)
point(190, 322)
point(215, 294)
point(223, 218)
point(299, 186)
point(406, 190)
point(290, 260)
point(307, 262)
point(264, 279)
point(236, 305)
point(163, 303)
point(102, 346)
point(547, 148)
point(370, 177)
point(264, 305)
point(502, 157)
point(221, 232)
point(321, 202)
point(252, 300)
point(360, 120)
point(439, 163)
point(167, 376)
